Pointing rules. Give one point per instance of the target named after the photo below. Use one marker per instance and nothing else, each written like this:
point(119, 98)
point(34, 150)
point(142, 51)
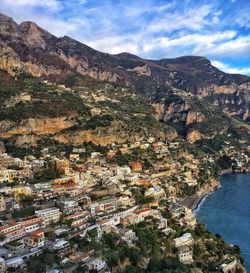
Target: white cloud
point(194, 43)
point(52, 5)
point(239, 46)
point(192, 19)
point(229, 69)
point(145, 28)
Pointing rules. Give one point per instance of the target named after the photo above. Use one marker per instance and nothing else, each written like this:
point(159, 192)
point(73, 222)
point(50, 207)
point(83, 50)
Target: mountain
point(190, 97)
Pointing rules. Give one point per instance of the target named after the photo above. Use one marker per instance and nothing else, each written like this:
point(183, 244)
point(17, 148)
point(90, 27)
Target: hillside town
point(74, 206)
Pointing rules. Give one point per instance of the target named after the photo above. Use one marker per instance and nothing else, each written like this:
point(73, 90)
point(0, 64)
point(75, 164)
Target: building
point(96, 264)
point(229, 266)
point(188, 220)
point(78, 257)
point(69, 206)
point(14, 262)
point(10, 175)
point(156, 192)
point(136, 166)
point(2, 265)
point(62, 166)
point(60, 244)
point(184, 244)
point(104, 206)
point(127, 234)
point(2, 204)
point(145, 212)
point(185, 240)
point(35, 238)
point(70, 189)
point(32, 224)
point(185, 254)
point(77, 220)
point(130, 219)
point(125, 200)
point(49, 215)
point(12, 231)
point(123, 171)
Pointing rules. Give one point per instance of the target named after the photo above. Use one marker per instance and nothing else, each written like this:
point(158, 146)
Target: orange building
point(136, 166)
point(35, 238)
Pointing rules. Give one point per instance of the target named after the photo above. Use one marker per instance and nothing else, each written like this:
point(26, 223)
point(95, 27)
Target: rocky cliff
point(186, 93)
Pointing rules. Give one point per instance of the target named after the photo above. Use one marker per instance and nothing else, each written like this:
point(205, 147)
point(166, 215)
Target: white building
point(49, 215)
point(229, 266)
point(15, 262)
point(185, 240)
point(2, 265)
point(60, 244)
point(185, 254)
point(96, 264)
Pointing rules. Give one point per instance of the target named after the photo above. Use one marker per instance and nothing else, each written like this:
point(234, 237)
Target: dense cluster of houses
point(96, 197)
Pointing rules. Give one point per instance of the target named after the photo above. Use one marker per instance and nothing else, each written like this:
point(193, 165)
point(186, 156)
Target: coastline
point(193, 202)
point(200, 198)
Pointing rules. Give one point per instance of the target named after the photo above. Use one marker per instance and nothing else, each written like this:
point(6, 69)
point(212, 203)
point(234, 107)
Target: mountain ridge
point(180, 91)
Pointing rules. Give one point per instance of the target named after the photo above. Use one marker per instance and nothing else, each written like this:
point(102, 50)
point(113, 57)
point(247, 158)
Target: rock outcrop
point(29, 48)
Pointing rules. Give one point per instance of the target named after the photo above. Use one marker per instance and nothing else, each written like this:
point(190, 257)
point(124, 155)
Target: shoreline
point(193, 202)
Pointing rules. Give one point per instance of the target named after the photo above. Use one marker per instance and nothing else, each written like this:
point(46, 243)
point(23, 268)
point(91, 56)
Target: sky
point(154, 29)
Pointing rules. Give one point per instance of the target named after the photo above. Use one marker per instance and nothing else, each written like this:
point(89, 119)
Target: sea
point(227, 212)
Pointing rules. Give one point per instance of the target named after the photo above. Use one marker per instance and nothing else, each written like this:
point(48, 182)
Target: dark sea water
point(227, 212)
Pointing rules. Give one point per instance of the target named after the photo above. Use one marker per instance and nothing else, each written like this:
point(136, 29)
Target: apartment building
point(49, 215)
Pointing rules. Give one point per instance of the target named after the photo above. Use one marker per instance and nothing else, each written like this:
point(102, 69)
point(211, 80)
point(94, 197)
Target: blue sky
point(217, 29)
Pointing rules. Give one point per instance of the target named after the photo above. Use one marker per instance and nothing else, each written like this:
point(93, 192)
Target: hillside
point(114, 145)
point(188, 94)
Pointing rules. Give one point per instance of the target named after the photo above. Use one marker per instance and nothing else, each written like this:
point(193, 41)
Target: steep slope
point(184, 92)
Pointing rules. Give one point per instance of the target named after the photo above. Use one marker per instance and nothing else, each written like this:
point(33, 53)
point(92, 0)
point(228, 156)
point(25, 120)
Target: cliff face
point(29, 48)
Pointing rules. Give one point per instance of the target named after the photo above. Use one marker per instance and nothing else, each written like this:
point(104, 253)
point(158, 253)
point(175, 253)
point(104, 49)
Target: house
point(104, 206)
point(68, 188)
point(49, 215)
point(31, 224)
point(185, 240)
point(229, 265)
point(188, 220)
point(35, 238)
point(136, 166)
point(96, 264)
point(14, 262)
point(2, 204)
point(10, 175)
point(12, 231)
point(2, 265)
point(127, 234)
point(163, 223)
point(123, 171)
point(185, 254)
point(62, 166)
point(60, 244)
point(78, 219)
point(74, 157)
point(69, 206)
point(130, 219)
point(78, 257)
point(156, 192)
point(125, 200)
point(124, 150)
point(111, 153)
point(15, 246)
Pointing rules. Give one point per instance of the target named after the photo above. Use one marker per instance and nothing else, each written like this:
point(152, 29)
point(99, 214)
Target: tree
point(135, 256)
point(131, 269)
point(224, 162)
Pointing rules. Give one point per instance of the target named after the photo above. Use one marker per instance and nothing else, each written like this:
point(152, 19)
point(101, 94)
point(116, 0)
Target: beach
point(193, 201)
